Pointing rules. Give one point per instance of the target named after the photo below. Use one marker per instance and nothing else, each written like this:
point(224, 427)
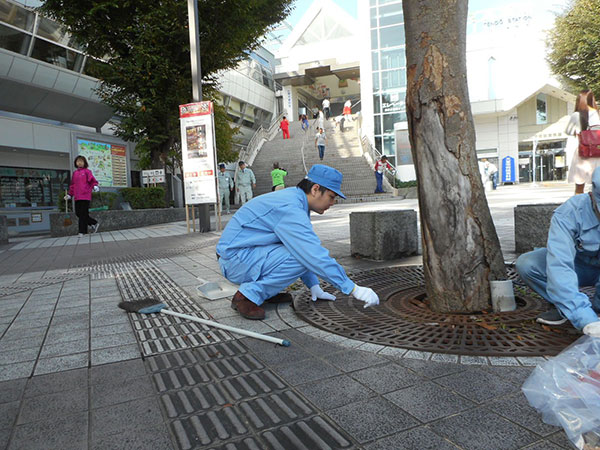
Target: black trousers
point(82, 211)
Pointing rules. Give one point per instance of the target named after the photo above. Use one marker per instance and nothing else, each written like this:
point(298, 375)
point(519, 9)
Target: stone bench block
point(384, 235)
point(532, 223)
point(117, 219)
point(3, 230)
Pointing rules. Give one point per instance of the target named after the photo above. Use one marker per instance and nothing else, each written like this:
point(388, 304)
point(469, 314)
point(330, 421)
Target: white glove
point(592, 329)
point(365, 294)
point(96, 188)
point(318, 293)
point(67, 197)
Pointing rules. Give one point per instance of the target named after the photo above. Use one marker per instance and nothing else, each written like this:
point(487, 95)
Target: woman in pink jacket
point(82, 185)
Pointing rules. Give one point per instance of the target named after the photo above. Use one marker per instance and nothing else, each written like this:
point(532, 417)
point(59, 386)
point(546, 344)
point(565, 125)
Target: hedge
point(99, 199)
point(144, 197)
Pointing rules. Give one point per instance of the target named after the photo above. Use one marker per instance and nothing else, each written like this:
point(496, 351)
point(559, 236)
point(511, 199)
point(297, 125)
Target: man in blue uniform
point(270, 243)
point(225, 187)
point(571, 260)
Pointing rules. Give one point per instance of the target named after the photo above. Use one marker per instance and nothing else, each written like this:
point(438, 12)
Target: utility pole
point(203, 209)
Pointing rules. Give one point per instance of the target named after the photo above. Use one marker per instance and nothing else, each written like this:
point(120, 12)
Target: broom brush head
point(143, 306)
point(67, 222)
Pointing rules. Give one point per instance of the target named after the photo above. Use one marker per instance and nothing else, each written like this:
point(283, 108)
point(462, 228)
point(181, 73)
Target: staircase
point(343, 151)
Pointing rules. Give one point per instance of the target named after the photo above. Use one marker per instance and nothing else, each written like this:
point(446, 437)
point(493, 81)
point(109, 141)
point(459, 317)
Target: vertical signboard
point(198, 152)
point(108, 162)
point(508, 169)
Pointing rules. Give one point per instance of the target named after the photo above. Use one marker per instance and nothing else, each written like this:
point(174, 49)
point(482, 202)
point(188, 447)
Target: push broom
point(153, 306)
point(67, 222)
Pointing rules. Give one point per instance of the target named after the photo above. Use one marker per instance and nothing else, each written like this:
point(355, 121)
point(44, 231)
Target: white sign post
point(198, 154)
point(153, 176)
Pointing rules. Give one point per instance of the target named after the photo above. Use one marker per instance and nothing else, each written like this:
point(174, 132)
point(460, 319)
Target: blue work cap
point(327, 177)
point(221, 166)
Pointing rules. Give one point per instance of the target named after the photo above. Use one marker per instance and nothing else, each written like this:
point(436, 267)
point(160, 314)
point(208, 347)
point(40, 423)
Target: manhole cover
point(403, 320)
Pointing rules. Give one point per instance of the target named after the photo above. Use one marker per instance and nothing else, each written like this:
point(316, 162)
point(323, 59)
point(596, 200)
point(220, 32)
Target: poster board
point(198, 152)
point(108, 162)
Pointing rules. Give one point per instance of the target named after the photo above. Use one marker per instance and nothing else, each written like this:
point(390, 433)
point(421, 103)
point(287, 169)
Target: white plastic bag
point(566, 391)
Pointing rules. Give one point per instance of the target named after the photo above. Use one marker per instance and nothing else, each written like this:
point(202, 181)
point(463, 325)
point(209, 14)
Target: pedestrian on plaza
point(277, 175)
point(225, 187)
point(326, 106)
point(320, 141)
point(381, 165)
point(245, 181)
point(315, 112)
point(491, 172)
point(285, 127)
point(270, 243)
point(305, 124)
point(585, 117)
point(81, 187)
point(570, 260)
point(320, 120)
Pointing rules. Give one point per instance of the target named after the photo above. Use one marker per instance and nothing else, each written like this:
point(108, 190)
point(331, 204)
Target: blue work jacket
point(281, 217)
point(574, 233)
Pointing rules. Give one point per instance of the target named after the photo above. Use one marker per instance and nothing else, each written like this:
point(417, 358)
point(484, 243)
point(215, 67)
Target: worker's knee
point(531, 263)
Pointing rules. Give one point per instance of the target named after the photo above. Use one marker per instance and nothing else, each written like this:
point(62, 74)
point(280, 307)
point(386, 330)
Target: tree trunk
point(461, 250)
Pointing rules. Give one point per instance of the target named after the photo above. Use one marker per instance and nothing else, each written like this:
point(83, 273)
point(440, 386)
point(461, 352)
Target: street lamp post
point(203, 209)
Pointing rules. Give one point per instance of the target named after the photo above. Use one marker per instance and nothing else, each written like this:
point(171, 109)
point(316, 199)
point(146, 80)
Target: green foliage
point(144, 198)
point(147, 74)
point(100, 199)
point(404, 184)
point(574, 46)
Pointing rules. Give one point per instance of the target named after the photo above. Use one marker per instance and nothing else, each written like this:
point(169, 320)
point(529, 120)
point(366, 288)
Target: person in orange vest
point(285, 127)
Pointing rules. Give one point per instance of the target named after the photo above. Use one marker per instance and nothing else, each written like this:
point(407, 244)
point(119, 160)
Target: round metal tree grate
point(404, 319)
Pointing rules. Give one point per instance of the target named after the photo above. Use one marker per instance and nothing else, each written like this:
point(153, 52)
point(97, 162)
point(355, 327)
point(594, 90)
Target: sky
point(351, 7)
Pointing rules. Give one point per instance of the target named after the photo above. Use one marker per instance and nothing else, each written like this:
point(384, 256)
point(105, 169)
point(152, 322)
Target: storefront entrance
point(550, 161)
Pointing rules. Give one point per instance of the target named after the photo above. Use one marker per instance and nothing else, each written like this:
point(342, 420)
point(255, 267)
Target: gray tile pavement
point(72, 375)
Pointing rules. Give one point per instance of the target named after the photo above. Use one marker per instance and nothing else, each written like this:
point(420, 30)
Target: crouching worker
point(571, 260)
point(270, 243)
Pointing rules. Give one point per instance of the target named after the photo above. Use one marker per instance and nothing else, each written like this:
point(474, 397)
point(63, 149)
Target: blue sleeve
point(296, 233)
point(563, 283)
point(252, 177)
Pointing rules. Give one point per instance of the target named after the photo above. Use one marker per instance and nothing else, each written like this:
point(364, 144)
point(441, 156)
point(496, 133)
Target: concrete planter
point(532, 223)
point(404, 193)
point(117, 219)
point(383, 235)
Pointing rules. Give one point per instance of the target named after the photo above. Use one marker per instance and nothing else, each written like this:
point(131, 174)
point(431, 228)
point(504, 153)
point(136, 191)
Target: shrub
point(144, 198)
point(100, 199)
point(405, 184)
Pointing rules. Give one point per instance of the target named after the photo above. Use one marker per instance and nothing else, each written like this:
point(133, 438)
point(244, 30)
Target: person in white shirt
point(320, 141)
point(326, 110)
point(585, 117)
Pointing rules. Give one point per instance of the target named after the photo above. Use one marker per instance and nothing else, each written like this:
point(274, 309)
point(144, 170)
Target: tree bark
point(461, 250)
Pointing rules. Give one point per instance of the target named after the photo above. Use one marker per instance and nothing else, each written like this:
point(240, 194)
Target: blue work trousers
point(262, 272)
point(531, 267)
point(321, 151)
point(379, 178)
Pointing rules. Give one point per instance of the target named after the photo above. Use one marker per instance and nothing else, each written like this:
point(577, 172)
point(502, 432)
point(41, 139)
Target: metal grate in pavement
point(221, 396)
point(158, 333)
point(405, 320)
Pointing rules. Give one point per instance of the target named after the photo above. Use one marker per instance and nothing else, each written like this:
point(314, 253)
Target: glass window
point(390, 15)
point(16, 16)
point(374, 41)
point(376, 104)
point(389, 145)
point(541, 111)
point(372, 2)
point(54, 54)
point(14, 40)
point(378, 124)
point(375, 60)
point(393, 101)
point(385, 2)
point(20, 187)
point(393, 79)
point(391, 36)
point(378, 143)
point(393, 59)
point(390, 119)
point(94, 67)
point(375, 81)
point(373, 17)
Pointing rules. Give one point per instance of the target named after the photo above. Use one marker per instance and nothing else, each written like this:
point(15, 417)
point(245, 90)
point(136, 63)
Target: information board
point(198, 152)
point(108, 162)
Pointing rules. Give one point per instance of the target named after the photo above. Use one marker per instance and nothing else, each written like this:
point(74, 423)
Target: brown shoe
point(282, 297)
point(246, 308)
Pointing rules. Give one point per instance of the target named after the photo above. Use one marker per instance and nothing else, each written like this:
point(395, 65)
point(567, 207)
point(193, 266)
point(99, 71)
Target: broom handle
point(210, 323)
